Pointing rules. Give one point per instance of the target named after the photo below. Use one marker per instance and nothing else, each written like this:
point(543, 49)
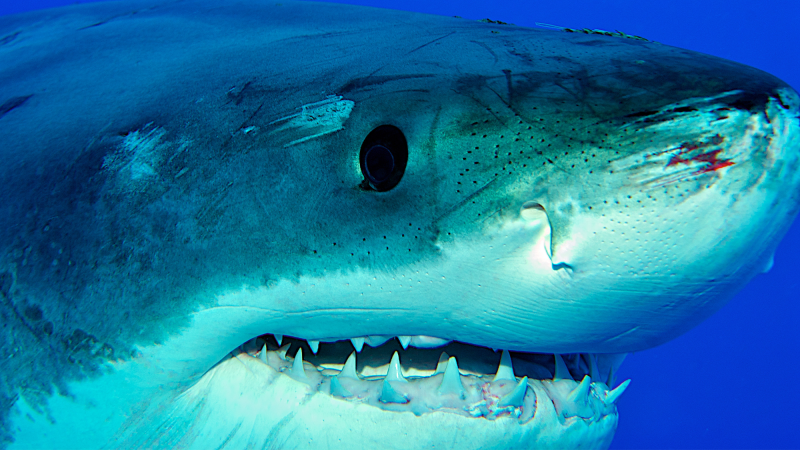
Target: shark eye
point(383, 158)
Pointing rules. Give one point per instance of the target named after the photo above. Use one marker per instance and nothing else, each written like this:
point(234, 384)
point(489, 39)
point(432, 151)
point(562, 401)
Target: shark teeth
point(337, 390)
point(418, 387)
point(395, 373)
point(561, 370)
point(389, 395)
point(298, 371)
point(451, 381)
point(358, 343)
point(515, 397)
point(613, 395)
point(283, 350)
point(505, 371)
point(442, 364)
point(581, 393)
point(349, 369)
point(594, 372)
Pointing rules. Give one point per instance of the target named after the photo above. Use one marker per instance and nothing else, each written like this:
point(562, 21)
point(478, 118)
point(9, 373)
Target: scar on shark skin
point(13, 102)
point(316, 119)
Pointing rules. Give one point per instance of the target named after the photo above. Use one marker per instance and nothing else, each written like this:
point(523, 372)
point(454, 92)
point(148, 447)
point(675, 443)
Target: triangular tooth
point(389, 395)
point(337, 390)
point(314, 346)
point(395, 372)
point(505, 371)
point(451, 381)
point(561, 369)
point(263, 354)
point(581, 393)
point(613, 395)
point(358, 343)
point(283, 350)
point(591, 361)
point(515, 397)
point(442, 364)
point(298, 371)
point(278, 338)
point(404, 341)
point(349, 369)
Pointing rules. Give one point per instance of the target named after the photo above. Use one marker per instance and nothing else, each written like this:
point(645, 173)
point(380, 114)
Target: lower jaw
point(263, 394)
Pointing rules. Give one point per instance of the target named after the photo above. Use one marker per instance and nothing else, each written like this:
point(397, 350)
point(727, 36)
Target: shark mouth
point(422, 374)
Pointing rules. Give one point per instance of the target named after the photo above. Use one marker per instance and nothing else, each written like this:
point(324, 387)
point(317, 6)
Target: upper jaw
point(446, 312)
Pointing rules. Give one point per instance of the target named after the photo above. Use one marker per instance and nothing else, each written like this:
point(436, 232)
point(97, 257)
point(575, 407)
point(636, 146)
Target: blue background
point(729, 383)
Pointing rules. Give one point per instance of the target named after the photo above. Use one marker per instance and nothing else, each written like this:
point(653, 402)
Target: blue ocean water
point(729, 382)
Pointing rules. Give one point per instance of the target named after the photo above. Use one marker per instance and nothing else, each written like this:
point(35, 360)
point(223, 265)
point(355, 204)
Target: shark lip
point(454, 377)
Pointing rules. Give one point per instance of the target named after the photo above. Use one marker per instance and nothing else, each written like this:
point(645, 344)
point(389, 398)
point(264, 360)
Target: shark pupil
point(379, 164)
point(384, 154)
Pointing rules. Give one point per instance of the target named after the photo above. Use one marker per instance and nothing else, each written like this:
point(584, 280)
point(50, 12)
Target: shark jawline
point(457, 378)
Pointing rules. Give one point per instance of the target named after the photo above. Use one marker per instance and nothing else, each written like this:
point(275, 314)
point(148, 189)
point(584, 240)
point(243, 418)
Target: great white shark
point(301, 225)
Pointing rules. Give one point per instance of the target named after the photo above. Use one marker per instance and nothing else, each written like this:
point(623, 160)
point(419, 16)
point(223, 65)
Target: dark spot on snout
point(34, 313)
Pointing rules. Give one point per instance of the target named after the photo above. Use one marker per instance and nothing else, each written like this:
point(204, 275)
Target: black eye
point(384, 155)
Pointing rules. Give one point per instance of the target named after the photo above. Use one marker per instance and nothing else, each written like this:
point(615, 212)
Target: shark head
point(390, 230)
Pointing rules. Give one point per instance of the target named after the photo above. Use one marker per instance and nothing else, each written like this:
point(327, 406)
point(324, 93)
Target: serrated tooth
point(283, 350)
point(515, 397)
point(395, 373)
point(278, 338)
point(314, 346)
point(581, 393)
point(451, 381)
point(349, 369)
point(442, 364)
point(404, 341)
point(561, 369)
point(505, 371)
point(337, 390)
point(358, 343)
point(263, 355)
point(389, 395)
point(613, 395)
point(298, 371)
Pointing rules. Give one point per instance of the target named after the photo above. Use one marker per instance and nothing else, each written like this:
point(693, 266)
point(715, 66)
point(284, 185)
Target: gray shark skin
point(182, 177)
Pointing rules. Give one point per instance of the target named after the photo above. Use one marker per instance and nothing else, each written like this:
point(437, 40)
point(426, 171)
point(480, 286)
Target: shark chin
point(254, 226)
point(281, 398)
